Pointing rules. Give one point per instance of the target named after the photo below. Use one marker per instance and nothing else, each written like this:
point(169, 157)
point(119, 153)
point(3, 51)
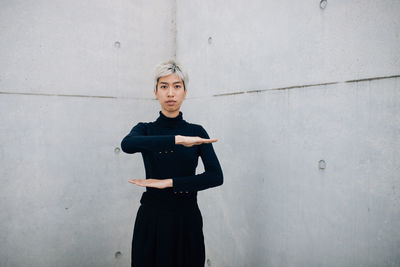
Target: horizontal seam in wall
point(66, 95)
point(307, 85)
point(46, 94)
point(223, 94)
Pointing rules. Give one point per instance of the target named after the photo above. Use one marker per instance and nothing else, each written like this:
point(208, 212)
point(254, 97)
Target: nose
point(170, 91)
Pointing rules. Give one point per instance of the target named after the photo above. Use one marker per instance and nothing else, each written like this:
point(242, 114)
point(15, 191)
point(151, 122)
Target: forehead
point(172, 78)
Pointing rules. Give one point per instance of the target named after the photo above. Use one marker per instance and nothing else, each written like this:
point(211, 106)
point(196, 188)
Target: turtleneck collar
point(170, 122)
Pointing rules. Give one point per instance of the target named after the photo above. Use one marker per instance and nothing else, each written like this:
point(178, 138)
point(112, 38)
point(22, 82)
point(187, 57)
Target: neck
point(170, 114)
point(170, 122)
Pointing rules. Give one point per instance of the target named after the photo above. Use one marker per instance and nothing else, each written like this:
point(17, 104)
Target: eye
point(163, 86)
point(178, 86)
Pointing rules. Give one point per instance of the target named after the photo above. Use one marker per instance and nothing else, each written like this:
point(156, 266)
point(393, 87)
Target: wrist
point(178, 139)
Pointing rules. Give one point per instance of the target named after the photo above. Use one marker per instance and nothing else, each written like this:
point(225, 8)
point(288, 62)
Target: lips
point(171, 102)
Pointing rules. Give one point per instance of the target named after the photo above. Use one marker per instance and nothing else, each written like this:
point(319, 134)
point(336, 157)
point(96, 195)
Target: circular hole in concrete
point(117, 44)
point(209, 40)
point(117, 254)
point(323, 4)
point(322, 164)
point(117, 150)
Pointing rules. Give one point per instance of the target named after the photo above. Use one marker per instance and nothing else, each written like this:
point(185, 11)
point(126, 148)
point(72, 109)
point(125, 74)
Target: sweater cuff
point(180, 186)
point(169, 141)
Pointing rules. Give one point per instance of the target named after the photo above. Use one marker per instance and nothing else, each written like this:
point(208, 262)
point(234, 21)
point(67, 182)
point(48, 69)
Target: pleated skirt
point(168, 231)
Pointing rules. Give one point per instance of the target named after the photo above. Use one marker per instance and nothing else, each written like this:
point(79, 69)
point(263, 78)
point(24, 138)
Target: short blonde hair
point(169, 67)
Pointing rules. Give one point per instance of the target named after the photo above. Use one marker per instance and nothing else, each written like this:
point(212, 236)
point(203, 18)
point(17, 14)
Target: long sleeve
point(212, 175)
point(138, 141)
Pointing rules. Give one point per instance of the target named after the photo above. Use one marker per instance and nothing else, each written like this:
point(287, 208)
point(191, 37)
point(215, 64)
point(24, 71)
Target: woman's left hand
point(157, 183)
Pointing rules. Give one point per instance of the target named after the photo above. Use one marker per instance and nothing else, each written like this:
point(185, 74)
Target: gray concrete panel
point(73, 81)
point(83, 47)
point(277, 207)
point(252, 45)
point(65, 196)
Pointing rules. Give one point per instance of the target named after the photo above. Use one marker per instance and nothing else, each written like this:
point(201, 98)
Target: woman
point(168, 228)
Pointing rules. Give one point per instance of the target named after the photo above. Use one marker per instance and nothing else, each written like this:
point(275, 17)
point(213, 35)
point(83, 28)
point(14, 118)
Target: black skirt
point(168, 231)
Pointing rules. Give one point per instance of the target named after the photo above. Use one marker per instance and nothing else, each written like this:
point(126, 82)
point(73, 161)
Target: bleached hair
point(167, 68)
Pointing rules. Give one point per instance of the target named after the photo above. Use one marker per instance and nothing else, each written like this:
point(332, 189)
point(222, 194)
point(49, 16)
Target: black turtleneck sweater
point(164, 159)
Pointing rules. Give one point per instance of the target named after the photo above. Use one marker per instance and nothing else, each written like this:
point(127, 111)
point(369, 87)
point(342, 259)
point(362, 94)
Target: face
point(170, 93)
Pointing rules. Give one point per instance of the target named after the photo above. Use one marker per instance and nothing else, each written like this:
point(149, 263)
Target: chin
point(171, 109)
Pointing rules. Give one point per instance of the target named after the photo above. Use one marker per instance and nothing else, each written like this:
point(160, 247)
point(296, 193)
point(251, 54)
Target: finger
point(134, 180)
point(202, 141)
point(206, 141)
point(137, 182)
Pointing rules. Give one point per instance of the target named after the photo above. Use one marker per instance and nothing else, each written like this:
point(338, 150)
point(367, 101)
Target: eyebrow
point(172, 83)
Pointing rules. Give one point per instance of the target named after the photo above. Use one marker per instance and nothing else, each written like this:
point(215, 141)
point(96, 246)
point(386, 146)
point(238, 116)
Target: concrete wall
point(288, 84)
point(285, 84)
point(74, 77)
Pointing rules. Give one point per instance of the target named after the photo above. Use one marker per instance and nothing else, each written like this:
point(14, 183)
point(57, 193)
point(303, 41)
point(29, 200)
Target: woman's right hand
point(189, 141)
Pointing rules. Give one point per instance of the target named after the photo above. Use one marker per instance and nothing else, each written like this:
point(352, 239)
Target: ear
point(155, 93)
point(185, 93)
